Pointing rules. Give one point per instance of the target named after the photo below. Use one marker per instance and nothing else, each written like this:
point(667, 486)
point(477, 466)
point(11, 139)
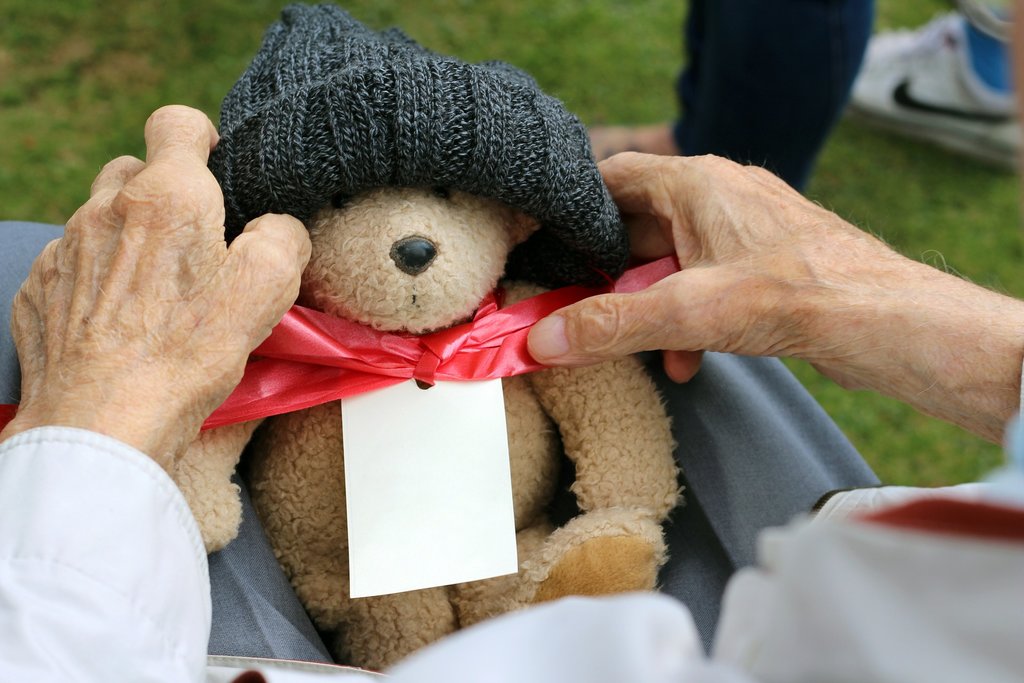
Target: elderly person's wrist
point(160, 436)
point(948, 347)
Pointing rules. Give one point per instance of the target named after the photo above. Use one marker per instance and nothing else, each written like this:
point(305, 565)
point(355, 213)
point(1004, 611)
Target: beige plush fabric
point(608, 420)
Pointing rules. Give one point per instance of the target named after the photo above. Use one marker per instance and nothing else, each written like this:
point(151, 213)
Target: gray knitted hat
point(328, 106)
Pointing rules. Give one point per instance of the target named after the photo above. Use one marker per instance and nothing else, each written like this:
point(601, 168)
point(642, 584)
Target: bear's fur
point(607, 418)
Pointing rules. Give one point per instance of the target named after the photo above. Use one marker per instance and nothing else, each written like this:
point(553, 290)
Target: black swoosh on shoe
point(902, 96)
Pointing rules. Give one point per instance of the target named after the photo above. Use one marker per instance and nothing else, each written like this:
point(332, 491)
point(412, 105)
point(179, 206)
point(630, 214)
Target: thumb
point(615, 325)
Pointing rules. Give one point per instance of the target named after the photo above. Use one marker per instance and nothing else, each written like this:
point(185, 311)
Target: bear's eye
point(340, 199)
point(442, 192)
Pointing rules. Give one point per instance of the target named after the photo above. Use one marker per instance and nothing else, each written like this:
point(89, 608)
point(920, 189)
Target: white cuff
point(102, 567)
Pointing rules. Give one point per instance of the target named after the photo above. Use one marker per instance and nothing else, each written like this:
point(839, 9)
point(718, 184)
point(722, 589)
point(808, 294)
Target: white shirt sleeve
point(851, 600)
point(103, 574)
point(636, 637)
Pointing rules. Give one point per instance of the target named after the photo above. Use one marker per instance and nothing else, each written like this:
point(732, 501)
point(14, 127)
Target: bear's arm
point(614, 428)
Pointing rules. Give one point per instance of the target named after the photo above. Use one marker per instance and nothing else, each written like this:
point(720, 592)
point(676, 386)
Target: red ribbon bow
point(312, 358)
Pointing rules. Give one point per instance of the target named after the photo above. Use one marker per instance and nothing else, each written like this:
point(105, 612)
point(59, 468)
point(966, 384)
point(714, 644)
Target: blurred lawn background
point(78, 79)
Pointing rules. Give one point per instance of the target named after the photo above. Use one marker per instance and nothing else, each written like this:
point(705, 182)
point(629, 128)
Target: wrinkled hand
point(138, 322)
point(765, 272)
point(756, 260)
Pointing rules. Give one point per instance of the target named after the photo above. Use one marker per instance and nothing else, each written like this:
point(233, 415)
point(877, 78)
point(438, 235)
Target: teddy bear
point(425, 184)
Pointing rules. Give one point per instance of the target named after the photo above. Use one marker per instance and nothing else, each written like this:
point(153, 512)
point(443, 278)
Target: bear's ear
point(520, 227)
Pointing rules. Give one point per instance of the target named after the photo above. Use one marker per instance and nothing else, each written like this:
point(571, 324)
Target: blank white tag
point(428, 486)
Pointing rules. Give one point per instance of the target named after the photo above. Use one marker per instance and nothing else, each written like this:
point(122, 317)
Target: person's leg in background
point(255, 611)
point(764, 83)
point(766, 80)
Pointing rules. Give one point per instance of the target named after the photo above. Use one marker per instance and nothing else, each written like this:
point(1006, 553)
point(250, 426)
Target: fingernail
point(547, 339)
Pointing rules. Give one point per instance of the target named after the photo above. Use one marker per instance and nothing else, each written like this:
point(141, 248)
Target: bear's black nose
point(413, 255)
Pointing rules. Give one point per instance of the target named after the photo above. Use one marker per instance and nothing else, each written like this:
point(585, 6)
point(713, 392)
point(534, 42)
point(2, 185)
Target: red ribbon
point(312, 358)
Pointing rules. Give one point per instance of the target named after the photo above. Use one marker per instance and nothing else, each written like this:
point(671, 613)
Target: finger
point(681, 366)
point(92, 233)
point(27, 333)
point(113, 176)
point(631, 179)
point(648, 238)
point(175, 189)
point(177, 132)
point(280, 232)
point(37, 317)
point(265, 264)
point(45, 275)
point(615, 325)
point(662, 195)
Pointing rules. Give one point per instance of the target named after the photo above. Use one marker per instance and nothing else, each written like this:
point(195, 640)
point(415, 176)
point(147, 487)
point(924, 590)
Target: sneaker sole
point(978, 148)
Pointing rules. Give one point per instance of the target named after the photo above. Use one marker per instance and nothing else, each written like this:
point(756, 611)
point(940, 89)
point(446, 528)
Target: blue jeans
point(766, 80)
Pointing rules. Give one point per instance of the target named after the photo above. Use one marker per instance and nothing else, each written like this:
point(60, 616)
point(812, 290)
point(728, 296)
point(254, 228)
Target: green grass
point(78, 79)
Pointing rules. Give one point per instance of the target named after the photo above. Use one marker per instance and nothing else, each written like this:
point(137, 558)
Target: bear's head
point(409, 259)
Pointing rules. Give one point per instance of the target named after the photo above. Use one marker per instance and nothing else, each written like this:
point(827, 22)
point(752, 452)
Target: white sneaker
point(921, 83)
